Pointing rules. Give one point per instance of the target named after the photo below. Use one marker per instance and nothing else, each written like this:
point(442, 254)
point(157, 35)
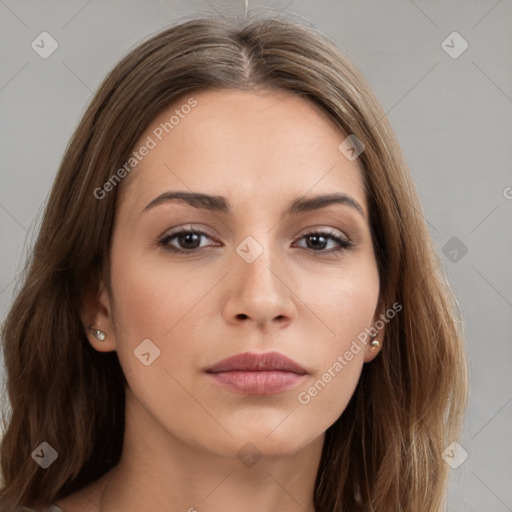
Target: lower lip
point(257, 382)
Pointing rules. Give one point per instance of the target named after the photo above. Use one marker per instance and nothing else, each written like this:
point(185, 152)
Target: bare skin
point(300, 297)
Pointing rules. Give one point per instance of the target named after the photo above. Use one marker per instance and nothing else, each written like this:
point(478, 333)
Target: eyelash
point(344, 244)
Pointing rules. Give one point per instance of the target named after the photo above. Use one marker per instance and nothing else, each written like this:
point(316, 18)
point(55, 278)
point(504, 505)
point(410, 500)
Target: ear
point(96, 313)
point(378, 331)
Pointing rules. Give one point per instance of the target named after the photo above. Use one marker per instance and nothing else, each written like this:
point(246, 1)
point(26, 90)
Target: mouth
point(257, 374)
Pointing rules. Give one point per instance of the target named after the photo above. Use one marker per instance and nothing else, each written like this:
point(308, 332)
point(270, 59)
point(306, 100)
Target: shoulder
point(83, 500)
point(79, 501)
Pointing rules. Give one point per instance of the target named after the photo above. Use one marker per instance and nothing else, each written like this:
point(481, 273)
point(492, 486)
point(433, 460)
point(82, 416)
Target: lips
point(257, 374)
point(257, 362)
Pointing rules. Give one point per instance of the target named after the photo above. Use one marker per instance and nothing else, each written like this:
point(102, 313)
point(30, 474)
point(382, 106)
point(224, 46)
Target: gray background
point(452, 116)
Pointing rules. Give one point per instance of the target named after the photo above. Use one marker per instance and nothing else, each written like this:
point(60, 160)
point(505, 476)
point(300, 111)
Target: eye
point(188, 241)
point(317, 241)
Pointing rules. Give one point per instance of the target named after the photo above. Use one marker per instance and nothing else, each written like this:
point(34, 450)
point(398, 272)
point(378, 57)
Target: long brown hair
point(384, 452)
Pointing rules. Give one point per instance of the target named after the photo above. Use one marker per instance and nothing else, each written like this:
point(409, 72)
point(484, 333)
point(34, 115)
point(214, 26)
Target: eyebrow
point(220, 204)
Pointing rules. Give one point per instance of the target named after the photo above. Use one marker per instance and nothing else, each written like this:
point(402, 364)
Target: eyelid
point(325, 230)
point(306, 231)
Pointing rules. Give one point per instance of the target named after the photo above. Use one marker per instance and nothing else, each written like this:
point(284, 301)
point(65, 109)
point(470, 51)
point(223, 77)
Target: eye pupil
point(317, 239)
point(189, 238)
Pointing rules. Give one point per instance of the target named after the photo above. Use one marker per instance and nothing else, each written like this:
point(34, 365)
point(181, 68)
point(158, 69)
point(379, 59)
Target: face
point(262, 267)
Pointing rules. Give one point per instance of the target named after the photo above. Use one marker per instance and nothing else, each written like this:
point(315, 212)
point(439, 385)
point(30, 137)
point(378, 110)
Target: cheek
point(160, 303)
point(349, 310)
point(346, 303)
point(354, 305)
point(157, 302)
point(348, 306)
point(152, 297)
point(149, 302)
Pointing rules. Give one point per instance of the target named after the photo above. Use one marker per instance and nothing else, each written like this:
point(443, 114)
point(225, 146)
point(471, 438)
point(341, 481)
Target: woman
point(234, 300)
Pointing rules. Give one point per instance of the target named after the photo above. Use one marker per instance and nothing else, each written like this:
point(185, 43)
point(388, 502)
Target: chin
point(279, 444)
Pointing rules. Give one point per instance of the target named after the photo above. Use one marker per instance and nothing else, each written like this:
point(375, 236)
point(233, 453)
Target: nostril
point(242, 316)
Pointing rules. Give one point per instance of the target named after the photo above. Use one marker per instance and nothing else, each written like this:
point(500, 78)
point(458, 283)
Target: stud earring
point(100, 335)
point(375, 344)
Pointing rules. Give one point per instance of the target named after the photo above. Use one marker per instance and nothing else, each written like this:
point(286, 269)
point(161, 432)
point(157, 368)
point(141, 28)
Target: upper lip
point(250, 361)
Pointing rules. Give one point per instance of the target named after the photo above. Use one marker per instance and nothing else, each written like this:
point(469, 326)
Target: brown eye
point(189, 241)
point(185, 241)
point(318, 241)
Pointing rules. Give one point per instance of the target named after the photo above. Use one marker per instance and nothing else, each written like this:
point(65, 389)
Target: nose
point(259, 293)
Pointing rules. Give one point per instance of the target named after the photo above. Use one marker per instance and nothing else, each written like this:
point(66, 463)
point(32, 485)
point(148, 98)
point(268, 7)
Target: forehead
point(255, 146)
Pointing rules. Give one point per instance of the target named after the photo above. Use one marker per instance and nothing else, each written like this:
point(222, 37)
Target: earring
point(375, 344)
point(100, 335)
